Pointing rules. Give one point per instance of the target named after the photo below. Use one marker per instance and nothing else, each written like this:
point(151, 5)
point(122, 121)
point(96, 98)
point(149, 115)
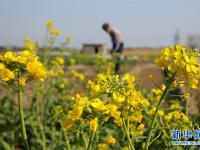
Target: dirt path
point(142, 70)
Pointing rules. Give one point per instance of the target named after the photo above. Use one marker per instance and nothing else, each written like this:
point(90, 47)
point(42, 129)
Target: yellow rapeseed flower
point(7, 75)
point(152, 111)
point(136, 117)
point(80, 76)
point(8, 56)
point(110, 140)
point(72, 61)
point(27, 40)
point(59, 60)
point(31, 47)
point(55, 32)
point(119, 121)
point(118, 97)
point(36, 69)
point(68, 124)
point(93, 125)
point(183, 62)
point(141, 126)
point(102, 146)
point(97, 104)
point(2, 66)
point(22, 81)
point(50, 24)
point(76, 113)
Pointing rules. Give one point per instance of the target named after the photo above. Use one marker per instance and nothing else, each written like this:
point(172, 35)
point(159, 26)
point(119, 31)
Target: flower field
point(47, 103)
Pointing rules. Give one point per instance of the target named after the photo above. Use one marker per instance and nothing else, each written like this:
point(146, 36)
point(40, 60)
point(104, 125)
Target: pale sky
point(144, 23)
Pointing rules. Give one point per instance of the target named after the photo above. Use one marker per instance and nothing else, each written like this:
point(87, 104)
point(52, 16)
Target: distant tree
point(193, 41)
point(177, 37)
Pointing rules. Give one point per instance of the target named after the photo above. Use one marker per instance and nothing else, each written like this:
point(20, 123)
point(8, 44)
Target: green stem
point(43, 137)
point(84, 138)
point(91, 140)
point(97, 139)
point(38, 111)
point(155, 116)
point(13, 126)
point(20, 103)
point(128, 136)
point(66, 140)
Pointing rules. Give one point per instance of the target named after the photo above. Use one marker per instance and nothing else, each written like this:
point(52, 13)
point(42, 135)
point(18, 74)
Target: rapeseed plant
point(183, 68)
point(18, 69)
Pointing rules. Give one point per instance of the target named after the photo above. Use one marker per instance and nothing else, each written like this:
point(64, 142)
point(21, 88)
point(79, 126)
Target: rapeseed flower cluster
point(56, 73)
point(110, 140)
point(74, 116)
point(104, 66)
point(56, 67)
point(103, 146)
point(157, 93)
point(182, 62)
point(111, 98)
point(77, 75)
point(120, 91)
point(50, 24)
point(50, 37)
point(21, 67)
point(152, 111)
point(136, 131)
point(54, 32)
point(72, 61)
point(177, 120)
point(30, 45)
